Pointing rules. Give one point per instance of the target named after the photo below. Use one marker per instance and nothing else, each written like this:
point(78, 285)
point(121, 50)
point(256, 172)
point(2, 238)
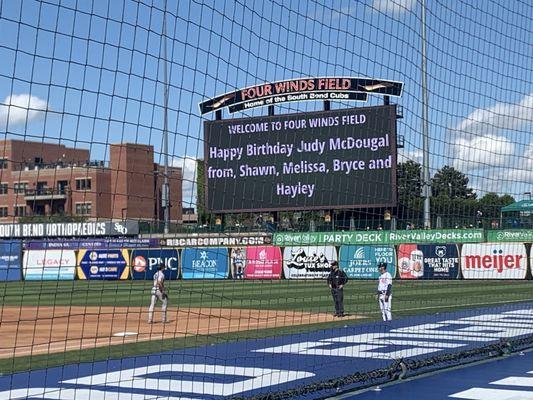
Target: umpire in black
point(336, 280)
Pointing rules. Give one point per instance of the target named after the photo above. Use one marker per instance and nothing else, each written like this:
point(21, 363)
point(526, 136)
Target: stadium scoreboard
point(317, 160)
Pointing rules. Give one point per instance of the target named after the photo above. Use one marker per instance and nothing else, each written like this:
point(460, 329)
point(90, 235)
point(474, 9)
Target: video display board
point(326, 159)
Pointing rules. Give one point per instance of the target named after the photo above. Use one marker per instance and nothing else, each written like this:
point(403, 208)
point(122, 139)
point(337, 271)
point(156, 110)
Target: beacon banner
point(204, 263)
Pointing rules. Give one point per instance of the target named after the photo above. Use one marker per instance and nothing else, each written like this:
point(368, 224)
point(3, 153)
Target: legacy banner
point(109, 264)
point(360, 262)
point(380, 237)
point(428, 261)
point(511, 235)
point(146, 262)
point(204, 263)
point(69, 229)
point(10, 261)
point(46, 265)
point(308, 262)
point(263, 262)
point(494, 261)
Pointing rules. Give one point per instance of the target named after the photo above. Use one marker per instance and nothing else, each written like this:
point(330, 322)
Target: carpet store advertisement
point(112, 264)
point(49, 265)
point(204, 263)
point(308, 262)
point(361, 262)
point(428, 261)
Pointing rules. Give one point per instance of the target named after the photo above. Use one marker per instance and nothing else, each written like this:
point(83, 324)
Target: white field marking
point(122, 334)
point(493, 394)
point(81, 394)
point(515, 381)
point(256, 378)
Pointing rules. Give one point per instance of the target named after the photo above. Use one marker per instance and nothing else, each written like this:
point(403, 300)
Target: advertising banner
point(109, 264)
point(204, 263)
point(10, 261)
point(360, 262)
point(69, 229)
point(219, 240)
point(263, 262)
point(431, 261)
point(122, 243)
point(494, 261)
point(45, 265)
point(511, 235)
point(237, 263)
point(145, 263)
point(308, 262)
point(441, 236)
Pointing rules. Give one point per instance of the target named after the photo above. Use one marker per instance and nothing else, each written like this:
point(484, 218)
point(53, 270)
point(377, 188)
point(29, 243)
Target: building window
point(83, 208)
point(3, 163)
point(83, 184)
point(20, 211)
point(3, 211)
point(20, 187)
point(3, 188)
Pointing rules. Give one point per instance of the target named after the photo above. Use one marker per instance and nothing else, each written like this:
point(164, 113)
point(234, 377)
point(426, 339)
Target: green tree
point(451, 183)
point(491, 204)
point(410, 202)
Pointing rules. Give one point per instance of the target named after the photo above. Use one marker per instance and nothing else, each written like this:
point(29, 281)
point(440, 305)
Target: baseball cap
point(382, 264)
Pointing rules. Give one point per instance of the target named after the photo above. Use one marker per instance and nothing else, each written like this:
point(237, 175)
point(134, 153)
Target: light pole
point(425, 126)
point(166, 189)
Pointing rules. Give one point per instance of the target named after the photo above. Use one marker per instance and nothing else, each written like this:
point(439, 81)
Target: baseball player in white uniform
point(385, 292)
point(158, 293)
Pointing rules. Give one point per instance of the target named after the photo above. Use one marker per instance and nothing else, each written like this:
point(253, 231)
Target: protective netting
point(179, 179)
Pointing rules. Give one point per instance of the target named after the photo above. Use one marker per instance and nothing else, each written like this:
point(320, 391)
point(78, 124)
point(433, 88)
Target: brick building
point(51, 179)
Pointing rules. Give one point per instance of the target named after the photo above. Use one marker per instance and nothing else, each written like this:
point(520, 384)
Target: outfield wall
point(292, 256)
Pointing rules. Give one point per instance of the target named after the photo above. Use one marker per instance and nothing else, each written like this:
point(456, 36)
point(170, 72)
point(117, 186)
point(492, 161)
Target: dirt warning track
point(42, 330)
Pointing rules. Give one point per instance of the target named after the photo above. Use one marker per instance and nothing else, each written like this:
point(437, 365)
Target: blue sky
point(96, 68)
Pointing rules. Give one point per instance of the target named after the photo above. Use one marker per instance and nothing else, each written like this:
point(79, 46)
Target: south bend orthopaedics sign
point(302, 89)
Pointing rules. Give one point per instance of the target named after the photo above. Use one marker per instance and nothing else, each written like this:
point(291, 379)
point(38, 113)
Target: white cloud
point(481, 152)
point(394, 7)
point(414, 155)
point(188, 166)
point(19, 108)
point(488, 145)
point(499, 117)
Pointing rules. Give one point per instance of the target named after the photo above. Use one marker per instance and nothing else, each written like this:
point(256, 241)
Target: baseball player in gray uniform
point(158, 293)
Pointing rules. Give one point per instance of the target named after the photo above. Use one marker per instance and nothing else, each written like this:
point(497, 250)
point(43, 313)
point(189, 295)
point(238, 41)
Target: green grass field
point(409, 298)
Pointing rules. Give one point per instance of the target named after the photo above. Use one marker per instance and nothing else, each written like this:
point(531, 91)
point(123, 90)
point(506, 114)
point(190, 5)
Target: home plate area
point(300, 361)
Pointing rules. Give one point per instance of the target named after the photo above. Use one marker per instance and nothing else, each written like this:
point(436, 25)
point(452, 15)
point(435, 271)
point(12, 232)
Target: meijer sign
point(494, 261)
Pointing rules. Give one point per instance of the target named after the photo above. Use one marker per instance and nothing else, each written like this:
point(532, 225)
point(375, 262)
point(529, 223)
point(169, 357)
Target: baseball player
point(384, 293)
point(158, 293)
